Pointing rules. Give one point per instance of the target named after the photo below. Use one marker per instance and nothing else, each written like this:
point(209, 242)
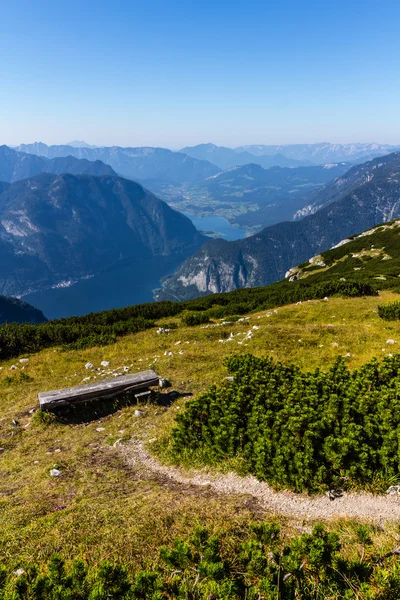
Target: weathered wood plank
point(98, 389)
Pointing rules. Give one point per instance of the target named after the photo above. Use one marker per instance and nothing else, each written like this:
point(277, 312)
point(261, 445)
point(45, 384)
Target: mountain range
point(139, 164)
point(322, 153)
point(55, 229)
point(289, 155)
point(367, 195)
point(225, 158)
point(15, 165)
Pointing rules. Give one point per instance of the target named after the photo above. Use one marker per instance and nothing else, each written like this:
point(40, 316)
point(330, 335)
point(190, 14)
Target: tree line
point(105, 327)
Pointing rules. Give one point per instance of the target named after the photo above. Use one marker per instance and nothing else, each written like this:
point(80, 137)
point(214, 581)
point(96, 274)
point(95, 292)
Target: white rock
point(139, 413)
point(55, 473)
point(390, 341)
point(326, 299)
point(13, 368)
point(18, 572)
point(24, 361)
point(105, 363)
point(89, 365)
point(177, 343)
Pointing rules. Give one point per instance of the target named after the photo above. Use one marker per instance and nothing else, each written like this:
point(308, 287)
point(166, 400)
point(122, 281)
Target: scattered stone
point(35, 462)
point(390, 341)
point(57, 450)
point(177, 343)
point(86, 379)
point(117, 442)
point(163, 383)
point(2, 450)
point(89, 366)
point(55, 473)
point(13, 368)
point(333, 494)
point(100, 429)
point(393, 490)
point(180, 352)
point(335, 344)
point(126, 369)
point(14, 423)
point(139, 413)
point(229, 378)
point(105, 363)
point(24, 361)
point(326, 299)
point(18, 572)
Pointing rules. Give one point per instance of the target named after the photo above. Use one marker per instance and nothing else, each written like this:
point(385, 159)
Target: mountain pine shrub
point(304, 431)
point(254, 563)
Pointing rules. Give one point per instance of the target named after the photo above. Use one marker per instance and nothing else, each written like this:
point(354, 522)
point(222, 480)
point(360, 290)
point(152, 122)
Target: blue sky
point(173, 73)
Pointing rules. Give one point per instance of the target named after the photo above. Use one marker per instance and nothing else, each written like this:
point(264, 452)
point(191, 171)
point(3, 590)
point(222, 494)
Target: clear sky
point(180, 72)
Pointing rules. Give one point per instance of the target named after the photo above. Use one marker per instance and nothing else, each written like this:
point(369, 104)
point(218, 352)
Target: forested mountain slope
point(56, 229)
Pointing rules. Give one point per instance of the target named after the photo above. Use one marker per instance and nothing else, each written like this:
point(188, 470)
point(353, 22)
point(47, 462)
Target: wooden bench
point(107, 388)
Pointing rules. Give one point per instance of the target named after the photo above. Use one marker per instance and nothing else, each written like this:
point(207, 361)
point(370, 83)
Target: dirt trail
point(378, 509)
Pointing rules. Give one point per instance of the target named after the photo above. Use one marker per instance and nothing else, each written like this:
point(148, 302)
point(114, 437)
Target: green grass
point(100, 508)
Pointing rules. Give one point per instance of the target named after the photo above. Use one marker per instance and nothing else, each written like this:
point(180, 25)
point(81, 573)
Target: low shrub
point(305, 431)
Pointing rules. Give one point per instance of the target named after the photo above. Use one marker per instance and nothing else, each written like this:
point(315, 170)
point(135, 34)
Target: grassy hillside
point(102, 508)
point(372, 256)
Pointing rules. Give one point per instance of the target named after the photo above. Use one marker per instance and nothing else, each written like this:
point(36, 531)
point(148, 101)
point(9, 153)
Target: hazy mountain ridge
point(15, 165)
point(225, 158)
point(139, 164)
point(323, 152)
point(265, 257)
point(56, 229)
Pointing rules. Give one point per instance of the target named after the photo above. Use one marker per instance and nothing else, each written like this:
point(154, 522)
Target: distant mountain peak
point(80, 144)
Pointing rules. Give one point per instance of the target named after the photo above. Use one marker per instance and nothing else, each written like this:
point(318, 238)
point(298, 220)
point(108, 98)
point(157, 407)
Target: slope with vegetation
point(108, 525)
point(102, 508)
point(13, 310)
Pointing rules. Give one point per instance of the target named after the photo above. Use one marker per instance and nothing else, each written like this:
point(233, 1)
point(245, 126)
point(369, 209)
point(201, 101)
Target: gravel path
point(378, 509)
